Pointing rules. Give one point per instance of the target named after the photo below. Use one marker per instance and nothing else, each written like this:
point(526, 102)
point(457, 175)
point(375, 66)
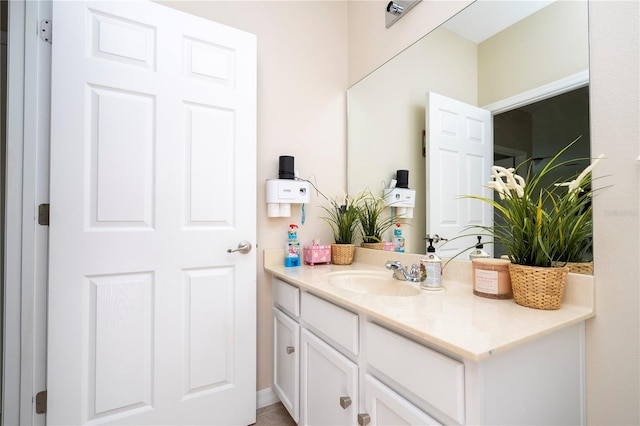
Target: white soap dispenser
point(478, 252)
point(431, 267)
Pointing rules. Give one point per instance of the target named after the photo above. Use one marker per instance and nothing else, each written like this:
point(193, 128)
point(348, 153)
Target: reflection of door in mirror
point(459, 142)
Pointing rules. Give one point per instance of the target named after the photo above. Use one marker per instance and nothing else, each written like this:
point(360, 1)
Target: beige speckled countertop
point(454, 318)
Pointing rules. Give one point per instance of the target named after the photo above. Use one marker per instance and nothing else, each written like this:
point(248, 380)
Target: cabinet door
point(286, 362)
point(385, 407)
point(329, 384)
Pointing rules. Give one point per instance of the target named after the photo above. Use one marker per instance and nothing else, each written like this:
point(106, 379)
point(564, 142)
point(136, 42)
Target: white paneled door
point(153, 162)
point(459, 139)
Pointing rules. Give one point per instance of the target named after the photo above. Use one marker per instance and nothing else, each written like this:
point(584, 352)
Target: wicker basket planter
point(342, 254)
point(538, 287)
point(375, 246)
point(585, 268)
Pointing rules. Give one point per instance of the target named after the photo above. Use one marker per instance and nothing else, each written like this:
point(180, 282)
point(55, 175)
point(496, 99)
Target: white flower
point(513, 182)
point(574, 185)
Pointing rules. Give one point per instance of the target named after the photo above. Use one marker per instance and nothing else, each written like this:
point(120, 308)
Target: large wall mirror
point(525, 61)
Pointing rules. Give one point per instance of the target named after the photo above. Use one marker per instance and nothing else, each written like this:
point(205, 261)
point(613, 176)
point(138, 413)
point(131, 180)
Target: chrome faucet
point(401, 273)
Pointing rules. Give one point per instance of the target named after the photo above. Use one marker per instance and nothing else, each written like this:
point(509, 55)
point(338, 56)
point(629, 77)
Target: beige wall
point(613, 337)
point(302, 86)
point(545, 47)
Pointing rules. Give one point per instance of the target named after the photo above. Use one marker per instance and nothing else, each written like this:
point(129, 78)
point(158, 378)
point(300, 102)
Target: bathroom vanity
point(346, 356)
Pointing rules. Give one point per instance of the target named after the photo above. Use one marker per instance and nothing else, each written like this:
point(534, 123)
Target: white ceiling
point(484, 18)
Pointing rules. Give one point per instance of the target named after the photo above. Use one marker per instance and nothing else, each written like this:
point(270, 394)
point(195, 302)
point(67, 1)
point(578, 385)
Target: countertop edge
point(578, 303)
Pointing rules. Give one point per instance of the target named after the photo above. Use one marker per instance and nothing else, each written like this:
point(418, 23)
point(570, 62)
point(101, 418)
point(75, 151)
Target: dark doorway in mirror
point(537, 131)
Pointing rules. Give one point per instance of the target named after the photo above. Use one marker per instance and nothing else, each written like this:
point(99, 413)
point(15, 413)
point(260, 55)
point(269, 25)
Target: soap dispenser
point(292, 249)
point(479, 252)
point(431, 266)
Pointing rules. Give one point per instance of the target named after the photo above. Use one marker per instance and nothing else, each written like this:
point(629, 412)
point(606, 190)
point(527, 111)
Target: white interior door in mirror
point(459, 146)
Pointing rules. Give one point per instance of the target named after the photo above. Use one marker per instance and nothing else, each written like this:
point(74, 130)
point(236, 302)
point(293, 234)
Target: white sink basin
point(373, 283)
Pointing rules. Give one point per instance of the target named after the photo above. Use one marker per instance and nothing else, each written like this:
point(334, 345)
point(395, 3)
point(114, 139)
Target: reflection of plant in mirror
point(373, 223)
point(576, 212)
point(343, 220)
point(540, 225)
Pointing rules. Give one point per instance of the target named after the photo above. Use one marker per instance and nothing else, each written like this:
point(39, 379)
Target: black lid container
point(286, 170)
point(402, 178)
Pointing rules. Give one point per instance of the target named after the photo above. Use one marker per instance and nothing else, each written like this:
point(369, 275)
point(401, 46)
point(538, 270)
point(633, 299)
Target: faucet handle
point(392, 263)
point(414, 271)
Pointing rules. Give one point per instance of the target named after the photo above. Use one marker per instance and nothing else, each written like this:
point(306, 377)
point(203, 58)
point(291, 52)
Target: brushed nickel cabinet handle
point(364, 419)
point(290, 350)
point(345, 402)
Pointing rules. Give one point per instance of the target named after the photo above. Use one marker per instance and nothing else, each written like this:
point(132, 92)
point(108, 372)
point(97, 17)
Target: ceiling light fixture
point(396, 9)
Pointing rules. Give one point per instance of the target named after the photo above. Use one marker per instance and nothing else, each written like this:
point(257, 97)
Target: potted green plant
point(342, 217)
point(539, 224)
point(372, 221)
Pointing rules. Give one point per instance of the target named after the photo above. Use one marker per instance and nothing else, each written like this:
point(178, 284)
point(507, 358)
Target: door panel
point(459, 158)
point(326, 377)
point(286, 369)
point(151, 321)
point(386, 407)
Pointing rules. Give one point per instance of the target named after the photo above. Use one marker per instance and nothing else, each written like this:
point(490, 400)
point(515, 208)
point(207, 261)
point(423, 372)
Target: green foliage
point(343, 220)
point(540, 225)
point(575, 227)
point(373, 223)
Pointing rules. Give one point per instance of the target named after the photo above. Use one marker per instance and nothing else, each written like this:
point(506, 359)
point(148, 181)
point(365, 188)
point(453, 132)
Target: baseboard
point(266, 397)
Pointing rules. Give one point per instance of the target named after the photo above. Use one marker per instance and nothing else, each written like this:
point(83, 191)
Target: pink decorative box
point(317, 253)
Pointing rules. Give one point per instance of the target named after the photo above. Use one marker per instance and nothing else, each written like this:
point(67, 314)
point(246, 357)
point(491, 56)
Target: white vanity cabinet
point(315, 382)
point(335, 365)
point(316, 372)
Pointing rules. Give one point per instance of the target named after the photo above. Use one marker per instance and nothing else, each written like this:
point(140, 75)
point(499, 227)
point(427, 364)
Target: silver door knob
point(244, 247)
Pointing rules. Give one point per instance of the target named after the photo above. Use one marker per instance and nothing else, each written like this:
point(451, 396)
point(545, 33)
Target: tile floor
point(274, 415)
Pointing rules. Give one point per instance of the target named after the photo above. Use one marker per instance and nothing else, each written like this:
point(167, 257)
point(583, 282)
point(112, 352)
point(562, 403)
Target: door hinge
point(41, 402)
point(43, 214)
point(46, 30)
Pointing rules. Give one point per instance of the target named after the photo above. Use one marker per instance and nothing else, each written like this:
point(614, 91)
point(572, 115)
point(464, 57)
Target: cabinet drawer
point(430, 375)
point(334, 322)
point(286, 296)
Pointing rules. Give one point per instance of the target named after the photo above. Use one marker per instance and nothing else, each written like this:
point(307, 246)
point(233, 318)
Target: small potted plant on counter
point(342, 217)
point(538, 224)
point(372, 221)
